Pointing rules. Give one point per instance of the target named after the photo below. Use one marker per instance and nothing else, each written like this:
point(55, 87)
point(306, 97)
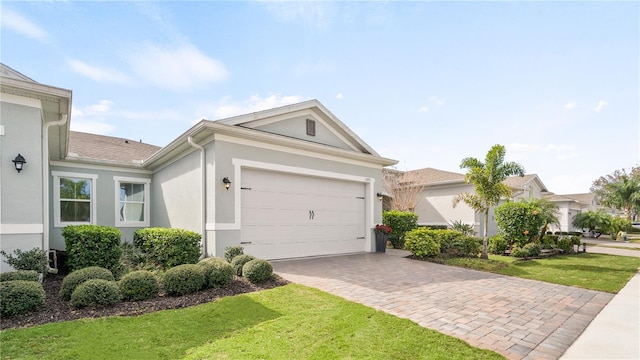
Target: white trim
point(147, 199)
point(98, 167)
point(11, 229)
point(289, 150)
point(56, 197)
point(20, 100)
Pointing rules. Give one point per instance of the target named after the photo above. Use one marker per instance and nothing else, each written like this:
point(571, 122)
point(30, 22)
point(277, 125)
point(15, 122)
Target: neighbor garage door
point(286, 215)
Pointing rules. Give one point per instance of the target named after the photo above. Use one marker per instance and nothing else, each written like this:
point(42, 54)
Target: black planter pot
point(381, 242)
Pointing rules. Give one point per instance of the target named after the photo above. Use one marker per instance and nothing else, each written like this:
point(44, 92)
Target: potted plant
point(382, 234)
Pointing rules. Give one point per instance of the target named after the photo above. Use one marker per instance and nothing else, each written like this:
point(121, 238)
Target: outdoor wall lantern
point(227, 183)
point(19, 162)
point(379, 195)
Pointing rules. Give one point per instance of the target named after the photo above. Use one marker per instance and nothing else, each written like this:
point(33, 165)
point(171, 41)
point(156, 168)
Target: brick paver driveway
point(516, 317)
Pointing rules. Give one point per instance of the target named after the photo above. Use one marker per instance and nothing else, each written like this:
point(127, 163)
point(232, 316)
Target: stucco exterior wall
point(296, 128)
point(436, 207)
point(21, 204)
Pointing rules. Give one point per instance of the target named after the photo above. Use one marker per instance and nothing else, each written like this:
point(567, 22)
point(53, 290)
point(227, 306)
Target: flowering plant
point(383, 229)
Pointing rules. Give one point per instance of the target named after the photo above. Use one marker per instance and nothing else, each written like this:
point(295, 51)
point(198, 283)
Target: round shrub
point(27, 275)
point(183, 279)
point(566, 244)
point(138, 285)
point(498, 245)
point(422, 243)
point(71, 281)
point(217, 272)
point(257, 270)
point(529, 250)
point(95, 292)
point(239, 261)
point(232, 251)
point(20, 296)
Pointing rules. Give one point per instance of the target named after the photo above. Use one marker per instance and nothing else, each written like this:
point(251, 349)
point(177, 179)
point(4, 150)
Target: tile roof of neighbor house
point(586, 198)
point(434, 176)
point(84, 146)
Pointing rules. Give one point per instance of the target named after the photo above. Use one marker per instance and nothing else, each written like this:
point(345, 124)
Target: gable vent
point(311, 127)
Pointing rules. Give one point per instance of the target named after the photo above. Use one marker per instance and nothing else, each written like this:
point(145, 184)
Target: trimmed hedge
point(138, 285)
point(34, 259)
point(183, 279)
point(401, 222)
point(422, 242)
point(73, 280)
point(217, 272)
point(169, 247)
point(92, 245)
point(27, 275)
point(239, 261)
point(96, 292)
point(527, 251)
point(232, 251)
point(20, 296)
point(257, 270)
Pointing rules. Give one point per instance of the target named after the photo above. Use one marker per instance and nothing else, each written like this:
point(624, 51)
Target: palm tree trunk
point(485, 231)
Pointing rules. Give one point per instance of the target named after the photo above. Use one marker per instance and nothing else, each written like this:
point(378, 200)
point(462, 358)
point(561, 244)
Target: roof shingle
point(84, 146)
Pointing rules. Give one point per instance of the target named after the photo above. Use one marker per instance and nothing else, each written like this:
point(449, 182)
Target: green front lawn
point(590, 271)
point(289, 322)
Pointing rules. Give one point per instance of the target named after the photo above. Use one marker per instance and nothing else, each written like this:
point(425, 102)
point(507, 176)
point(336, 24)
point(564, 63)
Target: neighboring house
point(283, 183)
point(441, 187)
point(569, 206)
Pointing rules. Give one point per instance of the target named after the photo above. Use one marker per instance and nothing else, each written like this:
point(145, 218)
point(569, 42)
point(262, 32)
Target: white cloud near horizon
point(569, 106)
point(99, 74)
point(176, 68)
point(16, 22)
point(226, 107)
point(339, 96)
point(601, 105)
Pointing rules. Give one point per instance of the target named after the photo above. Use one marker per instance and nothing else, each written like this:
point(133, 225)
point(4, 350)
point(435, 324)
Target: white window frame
point(147, 199)
point(56, 197)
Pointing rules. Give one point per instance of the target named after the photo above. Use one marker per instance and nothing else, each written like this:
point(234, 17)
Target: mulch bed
point(55, 309)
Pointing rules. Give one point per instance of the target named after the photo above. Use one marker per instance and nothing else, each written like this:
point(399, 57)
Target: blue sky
point(425, 83)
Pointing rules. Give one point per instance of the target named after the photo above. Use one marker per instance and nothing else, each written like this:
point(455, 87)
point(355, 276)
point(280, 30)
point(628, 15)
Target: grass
point(292, 321)
point(590, 271)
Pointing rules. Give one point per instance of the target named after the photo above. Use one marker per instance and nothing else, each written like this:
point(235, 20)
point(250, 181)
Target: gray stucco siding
point(297, 128)
point(24, 242)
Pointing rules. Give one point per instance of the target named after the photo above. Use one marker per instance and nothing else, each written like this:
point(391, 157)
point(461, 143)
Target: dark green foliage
point(239, 261)
point(34, 259)
point(520, 221)
point(527, 251)
point(138, 285)
point(232, 251)
point(455, 243)
point(28, 275)
point(401, 222)
point(168, 247)
point(466, 229)
point(217, 271)
point(95, 292)
point(549, 242)
point(498, 244)
point(257, 270)
point(133, 256)
point(183, 279)
point(73, 280)
point(92, 245)
point(422, 242)
point(566, 244)
point(20, 296)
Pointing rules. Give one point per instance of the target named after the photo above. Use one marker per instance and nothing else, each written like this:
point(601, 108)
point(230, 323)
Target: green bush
point(549, 241)
point(257, 270)
point(133, 256)
point(455, 243)
point(27, 275)
point(73, 280)
point(422, 242)
point(217, 272)
point(232, 251)
point(20, 296)
point(138, 285)
point(183, 279)
point(34, 259)
point(96, 292)
point(239, 261)
point(520, 221)
point(527, 251)
point(92, 245)
point(169, 247)
point(566, 244)
point(401, 222)
point(575, 239)
point(498, 244)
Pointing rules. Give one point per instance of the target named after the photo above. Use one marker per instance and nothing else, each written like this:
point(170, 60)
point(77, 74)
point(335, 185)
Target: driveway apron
point(518, 318)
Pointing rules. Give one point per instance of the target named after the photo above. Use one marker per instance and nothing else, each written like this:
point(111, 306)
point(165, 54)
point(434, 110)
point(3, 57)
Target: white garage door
point(287, 215)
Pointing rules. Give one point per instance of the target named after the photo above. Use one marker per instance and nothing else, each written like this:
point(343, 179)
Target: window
point(311, 127)
point(132, 201)
point(74, 198)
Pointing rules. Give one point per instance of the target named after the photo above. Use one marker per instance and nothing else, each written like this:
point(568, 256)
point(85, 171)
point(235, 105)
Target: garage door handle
point(313, 214)
point(245, 242)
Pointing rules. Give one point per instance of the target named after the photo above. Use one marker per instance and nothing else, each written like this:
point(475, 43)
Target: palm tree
point(487, 178)
point(592, 220)
point(620, 191)
point(549, 213)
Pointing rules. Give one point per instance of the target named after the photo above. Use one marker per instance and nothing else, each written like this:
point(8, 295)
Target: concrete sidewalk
point(615, 332)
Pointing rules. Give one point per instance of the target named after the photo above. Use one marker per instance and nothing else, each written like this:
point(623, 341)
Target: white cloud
point(569, 106)
point(178, 68)
point(93, 127)
point(16, 22)
point(339, 96)
point(228, 108)
point(99, 74)
point(601, 104)
point(423, 109)
point(518, 152)
point(102, 106)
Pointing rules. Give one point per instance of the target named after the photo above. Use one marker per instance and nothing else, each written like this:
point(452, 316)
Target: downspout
point(203, 199)
point(45, 182)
